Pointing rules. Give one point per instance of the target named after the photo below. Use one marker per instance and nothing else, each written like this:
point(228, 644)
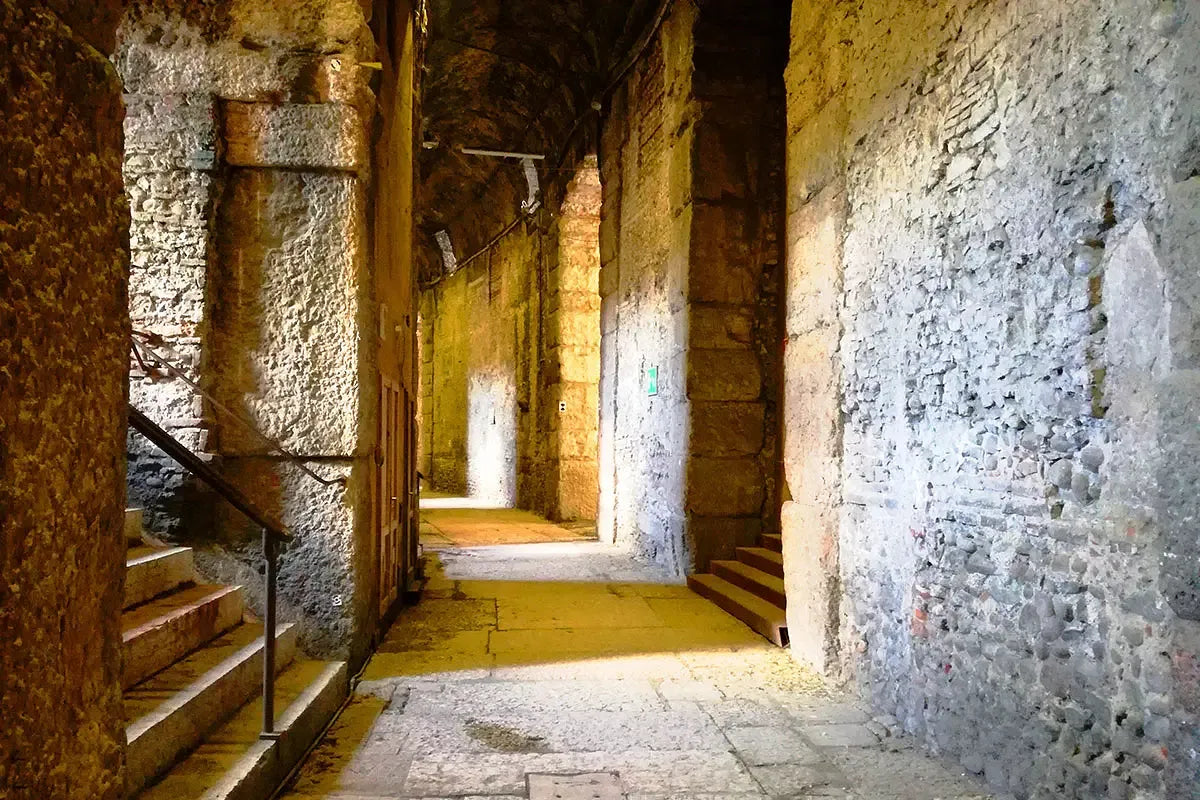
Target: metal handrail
point(273, 531)
point(143, 350)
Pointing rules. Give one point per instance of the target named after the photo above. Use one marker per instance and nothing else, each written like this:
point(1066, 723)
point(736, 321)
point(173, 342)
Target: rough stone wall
point(172, 184)
point(734, 264)
point(249, 164)
point(645, 223)
point(990, 387)
point(63, 344)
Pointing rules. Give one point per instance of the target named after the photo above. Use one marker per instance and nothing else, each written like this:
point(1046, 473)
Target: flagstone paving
point(566, 670)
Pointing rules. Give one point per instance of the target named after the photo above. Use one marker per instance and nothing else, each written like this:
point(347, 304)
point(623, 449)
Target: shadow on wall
point(492, 437)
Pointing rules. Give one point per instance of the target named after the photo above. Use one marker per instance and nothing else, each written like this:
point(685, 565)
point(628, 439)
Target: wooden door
point(392, 499)
point(406, 563)
point(413, 535)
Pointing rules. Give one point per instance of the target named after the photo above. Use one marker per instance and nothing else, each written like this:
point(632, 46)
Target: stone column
point(645, 226)
point(64, 328)
point(293, 350)
point(574, 328)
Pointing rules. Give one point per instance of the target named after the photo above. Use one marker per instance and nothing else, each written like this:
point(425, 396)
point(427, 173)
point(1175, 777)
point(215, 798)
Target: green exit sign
point(652, 381)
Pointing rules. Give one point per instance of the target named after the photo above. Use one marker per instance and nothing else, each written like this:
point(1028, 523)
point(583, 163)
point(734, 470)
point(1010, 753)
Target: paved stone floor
point(448, 521)
point(566, 670)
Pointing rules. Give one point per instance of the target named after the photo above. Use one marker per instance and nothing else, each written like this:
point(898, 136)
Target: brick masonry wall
point(990, 380)
point(64, 326)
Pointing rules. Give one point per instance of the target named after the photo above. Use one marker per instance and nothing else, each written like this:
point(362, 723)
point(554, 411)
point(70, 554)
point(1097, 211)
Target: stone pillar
point(812, 438)
point(734, 263)
point(292, 351)
point(812, 415)
point(645, 227)
point(64, 328)
point(574, 331)
point(692, 167)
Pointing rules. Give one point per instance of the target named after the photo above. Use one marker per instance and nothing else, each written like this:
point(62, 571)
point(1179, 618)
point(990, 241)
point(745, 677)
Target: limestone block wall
point(734, 267)
point(64, 325)
point(646, 218)
point(572, 343)
point(991, 250)
point(249, 162)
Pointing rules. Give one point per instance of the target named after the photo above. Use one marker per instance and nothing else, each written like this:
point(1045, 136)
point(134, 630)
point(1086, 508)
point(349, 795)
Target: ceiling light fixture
point(473, 151)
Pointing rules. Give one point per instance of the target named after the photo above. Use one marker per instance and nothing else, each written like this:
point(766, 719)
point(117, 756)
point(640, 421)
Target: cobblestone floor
point(565, 670)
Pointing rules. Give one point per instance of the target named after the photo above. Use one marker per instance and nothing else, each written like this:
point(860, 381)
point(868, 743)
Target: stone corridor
point(567, 670)
point(876, 325)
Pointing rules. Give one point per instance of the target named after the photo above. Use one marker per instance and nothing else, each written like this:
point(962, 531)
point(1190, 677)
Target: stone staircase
point(750, 588)
point(193, 685)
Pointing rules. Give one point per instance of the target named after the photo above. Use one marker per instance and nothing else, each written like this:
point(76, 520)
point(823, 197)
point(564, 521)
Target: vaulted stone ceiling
point(511, 75)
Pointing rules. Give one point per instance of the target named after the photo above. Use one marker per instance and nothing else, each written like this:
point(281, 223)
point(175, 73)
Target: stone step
point(761, 558)
point(755, 581)
point(170, 713)
point(159, 633)
point(133, 526)
point(152, 571)
point(235, 764)
point(772, 541)
point(760, 615)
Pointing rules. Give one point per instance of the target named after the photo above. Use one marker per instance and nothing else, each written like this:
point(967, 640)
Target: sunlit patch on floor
point(527, 666)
